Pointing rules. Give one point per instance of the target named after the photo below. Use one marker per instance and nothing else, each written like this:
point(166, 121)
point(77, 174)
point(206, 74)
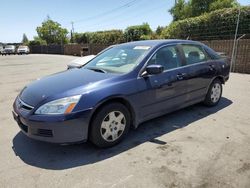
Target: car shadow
point(58, 157)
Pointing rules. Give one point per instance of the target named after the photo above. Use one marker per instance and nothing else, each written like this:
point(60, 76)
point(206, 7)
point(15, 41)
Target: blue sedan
point(120, 88)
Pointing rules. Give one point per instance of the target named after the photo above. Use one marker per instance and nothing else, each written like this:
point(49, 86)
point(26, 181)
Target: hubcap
point(113, 126)
point(215, 92)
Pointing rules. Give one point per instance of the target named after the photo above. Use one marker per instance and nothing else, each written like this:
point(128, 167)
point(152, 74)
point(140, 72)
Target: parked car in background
point(1, 49)
point(80, 61)
point(23, 50)
point(120, 88)
point(9, 49)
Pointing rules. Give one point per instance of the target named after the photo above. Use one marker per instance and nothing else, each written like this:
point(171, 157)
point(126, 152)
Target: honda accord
point(120, 88)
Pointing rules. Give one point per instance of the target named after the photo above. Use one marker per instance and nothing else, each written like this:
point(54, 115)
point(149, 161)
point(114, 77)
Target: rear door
point(199, 69)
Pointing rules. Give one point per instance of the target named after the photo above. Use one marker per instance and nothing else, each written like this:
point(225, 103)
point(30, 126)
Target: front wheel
point(110, 125)
point(214, 93)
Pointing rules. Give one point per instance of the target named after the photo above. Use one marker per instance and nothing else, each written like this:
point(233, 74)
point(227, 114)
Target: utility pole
point(72, 31)
point(235, 41)
point(72, 27)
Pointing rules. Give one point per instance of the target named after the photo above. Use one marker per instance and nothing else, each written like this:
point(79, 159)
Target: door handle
point(180, 76)
point(163, 84)
point(211, 67)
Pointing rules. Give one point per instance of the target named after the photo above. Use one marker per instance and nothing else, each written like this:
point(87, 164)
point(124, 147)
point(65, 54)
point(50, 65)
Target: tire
point(109, 125)
point(214, 93)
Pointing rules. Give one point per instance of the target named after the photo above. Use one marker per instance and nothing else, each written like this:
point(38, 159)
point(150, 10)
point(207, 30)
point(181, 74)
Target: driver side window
point(168, 57)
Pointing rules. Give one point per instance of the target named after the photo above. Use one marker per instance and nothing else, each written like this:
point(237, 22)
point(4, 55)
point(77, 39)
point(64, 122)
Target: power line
point(118, 20)
point(128, 4)
point(110, 17)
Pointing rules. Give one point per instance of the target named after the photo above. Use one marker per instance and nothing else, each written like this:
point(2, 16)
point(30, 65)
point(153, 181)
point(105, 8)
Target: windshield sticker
point(141, 47)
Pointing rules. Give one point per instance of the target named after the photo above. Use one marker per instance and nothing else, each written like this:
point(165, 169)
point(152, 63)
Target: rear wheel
point(214, 93)
point(110, 124)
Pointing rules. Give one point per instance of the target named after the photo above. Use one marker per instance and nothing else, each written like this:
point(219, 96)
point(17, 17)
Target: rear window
point(194, 54)
point(212, 53)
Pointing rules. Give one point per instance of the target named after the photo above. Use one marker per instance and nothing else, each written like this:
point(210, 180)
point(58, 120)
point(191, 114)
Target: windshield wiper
point(96, 69)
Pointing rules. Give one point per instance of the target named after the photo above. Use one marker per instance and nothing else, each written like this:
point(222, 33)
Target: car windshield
point(22, 47)
point(8, 46)
point(119, 59)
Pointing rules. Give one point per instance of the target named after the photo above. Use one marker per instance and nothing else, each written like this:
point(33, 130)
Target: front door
point(164, 92)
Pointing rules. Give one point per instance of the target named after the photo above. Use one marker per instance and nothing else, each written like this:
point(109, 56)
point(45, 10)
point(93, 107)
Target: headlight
point(60, 106)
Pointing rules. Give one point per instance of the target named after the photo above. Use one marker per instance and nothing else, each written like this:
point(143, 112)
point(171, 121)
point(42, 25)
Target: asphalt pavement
point(194, 147)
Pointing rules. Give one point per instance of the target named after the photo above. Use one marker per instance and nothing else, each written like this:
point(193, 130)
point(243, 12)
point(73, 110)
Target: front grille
point(44, 133)
point(22, 105)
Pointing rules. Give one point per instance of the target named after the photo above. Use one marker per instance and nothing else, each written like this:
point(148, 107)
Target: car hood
point(61, 83)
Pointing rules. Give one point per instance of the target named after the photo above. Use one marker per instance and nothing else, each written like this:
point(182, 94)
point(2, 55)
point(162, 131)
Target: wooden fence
point(84, 49)
point(242, 61)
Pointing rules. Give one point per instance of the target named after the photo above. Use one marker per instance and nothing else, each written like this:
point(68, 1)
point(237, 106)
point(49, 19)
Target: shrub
point(138, 32)
point(219, 24)
point(37, 41)
point(100, 37)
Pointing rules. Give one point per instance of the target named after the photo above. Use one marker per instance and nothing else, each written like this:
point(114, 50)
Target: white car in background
point(1, 49)
point(80, 61)
point(23, 50)
point(9, 49)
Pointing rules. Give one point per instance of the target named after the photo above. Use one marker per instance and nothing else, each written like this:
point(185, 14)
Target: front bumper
point(9, 52)
point(55, 130)
point(22, 52)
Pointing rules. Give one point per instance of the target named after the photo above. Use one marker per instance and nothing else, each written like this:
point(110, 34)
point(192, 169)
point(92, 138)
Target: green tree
point(193, 8)
point(180, 11)
point(222, 4)
point(81, 38)
point(37, 41)
point(159, 30)
point(52, 32)
point(138, 32)
point(25, 39)
point(199, 7)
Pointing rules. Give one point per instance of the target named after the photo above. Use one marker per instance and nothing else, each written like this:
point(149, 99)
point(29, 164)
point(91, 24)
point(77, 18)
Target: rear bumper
point(226, 78)
point(67, 131)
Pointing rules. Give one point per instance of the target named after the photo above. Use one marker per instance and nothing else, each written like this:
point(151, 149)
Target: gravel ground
point(193, 147)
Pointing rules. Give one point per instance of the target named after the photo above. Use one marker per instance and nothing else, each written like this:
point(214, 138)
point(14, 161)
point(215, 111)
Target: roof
point(154, 43)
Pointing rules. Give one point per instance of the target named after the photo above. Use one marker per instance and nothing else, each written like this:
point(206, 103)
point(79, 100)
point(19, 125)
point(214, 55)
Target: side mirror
point(154, 69)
